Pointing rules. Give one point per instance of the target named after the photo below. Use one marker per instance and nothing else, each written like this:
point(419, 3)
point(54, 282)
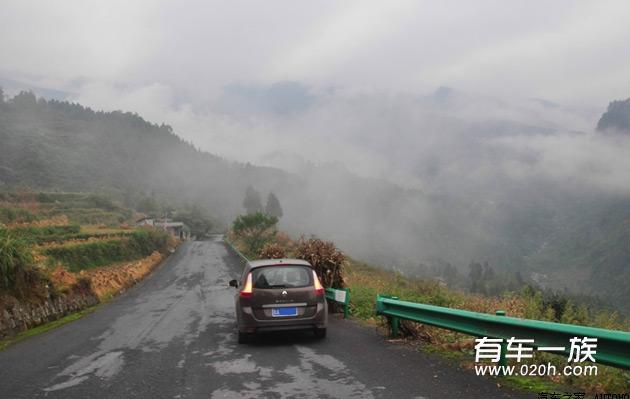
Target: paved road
point(172, 336)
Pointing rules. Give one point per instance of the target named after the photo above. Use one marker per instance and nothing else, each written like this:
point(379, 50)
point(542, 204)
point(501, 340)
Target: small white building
point(145, 222)
point(176, 229)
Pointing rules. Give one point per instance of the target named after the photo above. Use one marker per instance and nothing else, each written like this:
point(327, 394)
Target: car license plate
point(283, 312)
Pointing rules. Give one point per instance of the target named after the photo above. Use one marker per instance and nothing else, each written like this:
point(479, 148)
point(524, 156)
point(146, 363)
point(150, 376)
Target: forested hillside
point(51, 144)
point(58, 145)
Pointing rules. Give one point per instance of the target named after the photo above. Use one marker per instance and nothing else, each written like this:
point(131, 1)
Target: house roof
point(169, 224)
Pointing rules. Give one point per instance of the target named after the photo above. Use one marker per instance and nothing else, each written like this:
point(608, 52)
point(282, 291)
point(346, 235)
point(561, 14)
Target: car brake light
point(319, 290)
point(247, 290)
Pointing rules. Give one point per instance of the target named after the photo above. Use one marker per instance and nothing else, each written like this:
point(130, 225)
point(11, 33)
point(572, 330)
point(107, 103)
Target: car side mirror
point(233, 283)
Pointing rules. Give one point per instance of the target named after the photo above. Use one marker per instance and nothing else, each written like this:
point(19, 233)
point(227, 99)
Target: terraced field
point(64, 246)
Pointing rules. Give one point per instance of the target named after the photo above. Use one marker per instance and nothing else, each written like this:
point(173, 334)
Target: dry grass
point(365, 282)
point(61, 220)
point(272, 251)
point(327, 260)
point(109, 280)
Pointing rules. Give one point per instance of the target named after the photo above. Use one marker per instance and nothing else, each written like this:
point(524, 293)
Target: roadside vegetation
point(76, 257)
point(255, 231)
point(56, 245)
point(367, 281)
point(255, 234)
point(15, 262)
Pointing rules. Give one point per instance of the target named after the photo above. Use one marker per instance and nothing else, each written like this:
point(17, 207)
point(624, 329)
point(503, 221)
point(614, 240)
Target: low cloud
point(419, 141)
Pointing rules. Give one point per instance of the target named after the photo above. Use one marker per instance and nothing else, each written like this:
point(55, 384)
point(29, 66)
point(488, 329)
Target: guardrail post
point(379, 304)
point(347, 304)
point(502, 359)
point(395, 323)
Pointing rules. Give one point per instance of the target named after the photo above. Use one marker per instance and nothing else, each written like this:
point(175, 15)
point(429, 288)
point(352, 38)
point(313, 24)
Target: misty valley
point(466, 217)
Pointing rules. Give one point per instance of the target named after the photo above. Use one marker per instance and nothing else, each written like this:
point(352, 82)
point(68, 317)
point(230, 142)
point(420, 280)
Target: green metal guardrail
point(613, 347)
point(332, 294)
point(239, 253)
point(340, 296)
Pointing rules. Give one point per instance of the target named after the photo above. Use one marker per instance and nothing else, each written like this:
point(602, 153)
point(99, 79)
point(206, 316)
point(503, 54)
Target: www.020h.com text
point(532, 370)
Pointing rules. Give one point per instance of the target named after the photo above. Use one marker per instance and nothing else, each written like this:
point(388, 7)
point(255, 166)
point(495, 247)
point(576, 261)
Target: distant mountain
point(616, 117)
point(16, 86)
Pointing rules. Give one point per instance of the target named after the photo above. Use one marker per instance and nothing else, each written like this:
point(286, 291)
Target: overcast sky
point(571, 52)
point(366, 71)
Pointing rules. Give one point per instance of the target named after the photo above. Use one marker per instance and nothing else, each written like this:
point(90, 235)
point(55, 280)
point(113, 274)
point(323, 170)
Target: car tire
point(244, 338)
point(320, 333)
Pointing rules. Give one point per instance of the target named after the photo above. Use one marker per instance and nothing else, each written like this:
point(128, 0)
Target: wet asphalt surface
point(173, 336)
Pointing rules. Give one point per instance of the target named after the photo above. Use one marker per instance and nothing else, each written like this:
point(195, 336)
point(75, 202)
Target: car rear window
point(281, 277)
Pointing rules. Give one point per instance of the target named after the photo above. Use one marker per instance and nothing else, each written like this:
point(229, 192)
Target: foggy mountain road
point(173, 336)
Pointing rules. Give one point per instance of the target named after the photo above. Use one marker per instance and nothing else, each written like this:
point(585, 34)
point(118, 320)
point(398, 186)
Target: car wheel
point(320, 333)
point(244, 338)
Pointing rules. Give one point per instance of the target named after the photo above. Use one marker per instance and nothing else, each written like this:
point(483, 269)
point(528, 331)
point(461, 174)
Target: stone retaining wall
point(22, 316)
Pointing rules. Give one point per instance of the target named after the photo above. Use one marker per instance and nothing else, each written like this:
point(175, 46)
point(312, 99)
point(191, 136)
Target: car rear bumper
point(248, 323)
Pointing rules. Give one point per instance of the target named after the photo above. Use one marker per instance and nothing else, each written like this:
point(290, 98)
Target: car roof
point(277, 262)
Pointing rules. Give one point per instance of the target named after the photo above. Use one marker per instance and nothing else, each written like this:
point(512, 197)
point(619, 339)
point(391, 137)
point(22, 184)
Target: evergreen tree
point(519, 279)
point(449, 272)
point(252, 202)
point(196, 218)
point(149, 206)
point(488, 272)
point(273, 207)
point(475, 275)
point(25, 100)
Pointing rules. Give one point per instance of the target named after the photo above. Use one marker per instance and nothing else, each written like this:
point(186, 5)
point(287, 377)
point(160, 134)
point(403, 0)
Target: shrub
point(197, 219)
point(272, 251)
point(255, 231)
point(15, 261)
point(101, 202)
point(149, 240)
point(255, 240)
point(327, 260)
point(284, 240)
point(16, 215)
point(256, 221)
point(39, 234)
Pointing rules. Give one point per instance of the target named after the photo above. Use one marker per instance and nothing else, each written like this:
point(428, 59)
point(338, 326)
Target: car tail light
point(319, 290)
point(247, 290)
